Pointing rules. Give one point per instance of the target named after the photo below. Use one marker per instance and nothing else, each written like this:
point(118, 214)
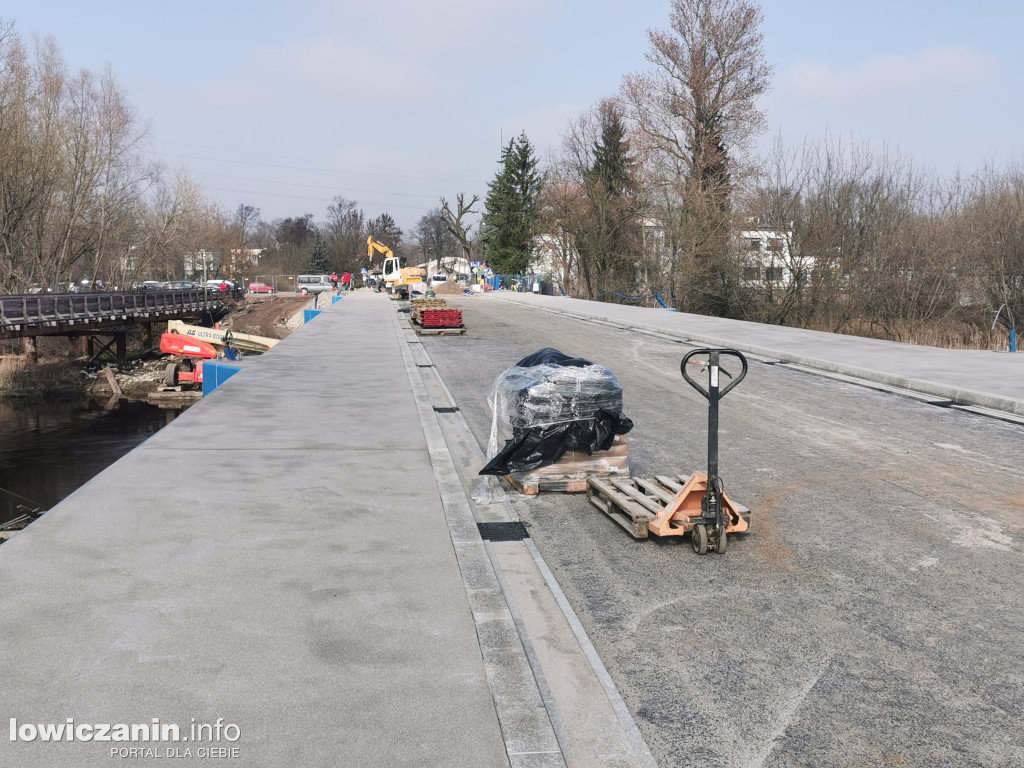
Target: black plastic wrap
point(547, 404)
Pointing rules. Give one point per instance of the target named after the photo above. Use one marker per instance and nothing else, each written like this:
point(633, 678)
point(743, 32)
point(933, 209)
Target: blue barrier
point(215, 374)
point(655, 296)
point(336, 299)
point(309, 314)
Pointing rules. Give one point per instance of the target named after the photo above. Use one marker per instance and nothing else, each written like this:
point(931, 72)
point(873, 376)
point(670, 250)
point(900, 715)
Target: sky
point(397, 103)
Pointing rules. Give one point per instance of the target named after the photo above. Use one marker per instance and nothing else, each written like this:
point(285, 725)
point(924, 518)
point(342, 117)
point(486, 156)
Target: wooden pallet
point(421, 331)
point(634, 501)
point(532, 486)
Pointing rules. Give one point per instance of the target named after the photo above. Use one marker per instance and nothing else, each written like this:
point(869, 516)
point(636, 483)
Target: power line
point(313, 186)
point(319, 198)
point(321, 170)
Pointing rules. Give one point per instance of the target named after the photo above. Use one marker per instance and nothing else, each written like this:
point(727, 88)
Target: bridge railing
point(54, 309)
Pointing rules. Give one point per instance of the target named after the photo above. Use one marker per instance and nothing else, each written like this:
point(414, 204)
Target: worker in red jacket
point(346, 282)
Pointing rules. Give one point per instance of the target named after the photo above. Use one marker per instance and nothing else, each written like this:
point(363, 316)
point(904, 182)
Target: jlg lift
point(675, 506)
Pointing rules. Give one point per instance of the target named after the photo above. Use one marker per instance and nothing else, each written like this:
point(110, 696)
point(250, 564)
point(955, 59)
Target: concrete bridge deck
point(295, 557)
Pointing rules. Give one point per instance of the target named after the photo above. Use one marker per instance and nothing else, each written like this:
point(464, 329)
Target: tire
point(699, 539)
point(304, 292)
point(723, 543)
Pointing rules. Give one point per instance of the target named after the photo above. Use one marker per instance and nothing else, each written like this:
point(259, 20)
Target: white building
point(768, 259)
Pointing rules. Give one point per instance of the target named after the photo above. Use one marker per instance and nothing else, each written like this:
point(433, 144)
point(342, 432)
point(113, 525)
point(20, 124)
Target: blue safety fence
point(655, 296)
point(309, 314)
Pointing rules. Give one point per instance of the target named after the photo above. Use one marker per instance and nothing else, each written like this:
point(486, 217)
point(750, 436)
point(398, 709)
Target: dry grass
point(951, 335)
point(20, 379)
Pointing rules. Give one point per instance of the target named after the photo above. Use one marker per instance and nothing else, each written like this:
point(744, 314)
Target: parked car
point(438, 279)
point(307, 284)
point(147, 285)
point(180, 285)
point(219, 285)
point(260, 288)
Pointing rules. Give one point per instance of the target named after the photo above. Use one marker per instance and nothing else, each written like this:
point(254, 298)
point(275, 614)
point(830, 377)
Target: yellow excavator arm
point(372, 245)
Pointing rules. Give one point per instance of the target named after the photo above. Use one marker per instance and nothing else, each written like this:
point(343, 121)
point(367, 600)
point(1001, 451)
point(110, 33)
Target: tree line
point(81, 200)
point(656, 189)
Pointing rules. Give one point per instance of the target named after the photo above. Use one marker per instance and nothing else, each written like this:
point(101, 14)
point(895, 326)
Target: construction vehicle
point(195, 343)
point(676, 506)
point(395, 278)
point(222, 337)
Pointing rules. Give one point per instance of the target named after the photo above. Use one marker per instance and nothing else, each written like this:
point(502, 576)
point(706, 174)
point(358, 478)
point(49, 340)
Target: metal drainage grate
point(439, 409)
point(502, 531)
point(942, 403)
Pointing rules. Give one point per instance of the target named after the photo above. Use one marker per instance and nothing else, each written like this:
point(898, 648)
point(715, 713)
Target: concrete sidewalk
point(278, 557)
point(992, 380)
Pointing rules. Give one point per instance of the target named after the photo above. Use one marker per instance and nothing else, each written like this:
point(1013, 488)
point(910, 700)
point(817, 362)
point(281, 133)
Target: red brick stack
point(441, 318)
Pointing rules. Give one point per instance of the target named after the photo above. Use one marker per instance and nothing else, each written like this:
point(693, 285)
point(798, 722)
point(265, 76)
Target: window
point(751, 273)
point(753, 243)
point(772, 274)
point(775, 244)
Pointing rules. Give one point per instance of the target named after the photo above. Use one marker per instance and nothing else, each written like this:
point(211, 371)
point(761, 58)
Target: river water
point(48, 450)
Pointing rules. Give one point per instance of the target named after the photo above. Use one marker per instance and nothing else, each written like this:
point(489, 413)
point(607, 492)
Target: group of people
point(346, 281)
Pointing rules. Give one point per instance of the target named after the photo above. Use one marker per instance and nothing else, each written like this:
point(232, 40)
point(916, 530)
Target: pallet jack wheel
point(699, 539)
point(723, 543)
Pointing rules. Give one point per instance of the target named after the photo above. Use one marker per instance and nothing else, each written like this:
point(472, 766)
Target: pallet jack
point(676, 506)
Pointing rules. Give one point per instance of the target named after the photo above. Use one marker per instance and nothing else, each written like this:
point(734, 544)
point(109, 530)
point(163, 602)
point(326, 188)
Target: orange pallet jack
point(676, 506)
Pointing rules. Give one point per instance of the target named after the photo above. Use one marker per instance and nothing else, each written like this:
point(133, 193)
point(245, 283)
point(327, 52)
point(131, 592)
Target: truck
point(395, 278)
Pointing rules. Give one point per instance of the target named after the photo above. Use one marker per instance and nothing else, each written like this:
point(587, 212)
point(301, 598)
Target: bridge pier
point(80, 346)
point(30, 349)
point(118, 340)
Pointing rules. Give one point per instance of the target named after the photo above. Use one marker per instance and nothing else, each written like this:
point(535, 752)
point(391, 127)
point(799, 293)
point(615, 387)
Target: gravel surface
point(872, 617)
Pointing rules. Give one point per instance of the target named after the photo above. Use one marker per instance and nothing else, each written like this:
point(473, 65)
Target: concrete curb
point(956, 395)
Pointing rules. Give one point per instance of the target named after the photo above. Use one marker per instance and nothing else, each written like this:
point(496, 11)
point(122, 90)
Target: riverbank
point(56, 378)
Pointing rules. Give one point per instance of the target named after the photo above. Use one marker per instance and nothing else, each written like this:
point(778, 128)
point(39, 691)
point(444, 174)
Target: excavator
point(395, 278)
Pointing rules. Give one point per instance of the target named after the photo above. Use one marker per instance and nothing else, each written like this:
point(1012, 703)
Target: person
point(346, 282)
point(334, 279)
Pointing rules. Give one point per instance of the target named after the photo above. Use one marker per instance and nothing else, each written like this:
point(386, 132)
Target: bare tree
point(994, 236)
point(435, 239)
point(345, 233)
point(696, 112)
point(454, 222)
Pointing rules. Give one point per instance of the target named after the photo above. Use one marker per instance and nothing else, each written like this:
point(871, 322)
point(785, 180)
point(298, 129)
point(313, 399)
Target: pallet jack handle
point(713, 393)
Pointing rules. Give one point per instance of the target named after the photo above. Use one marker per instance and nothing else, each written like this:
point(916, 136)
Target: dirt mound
point(266, 315)
point(447, 289)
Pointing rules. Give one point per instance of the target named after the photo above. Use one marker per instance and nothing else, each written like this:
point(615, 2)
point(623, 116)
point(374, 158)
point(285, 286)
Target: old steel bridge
point(82, 317)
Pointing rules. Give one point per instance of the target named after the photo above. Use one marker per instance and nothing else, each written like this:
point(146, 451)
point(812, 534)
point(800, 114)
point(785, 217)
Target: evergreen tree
point(613, 166)
point(319, 261)
point(510, 221)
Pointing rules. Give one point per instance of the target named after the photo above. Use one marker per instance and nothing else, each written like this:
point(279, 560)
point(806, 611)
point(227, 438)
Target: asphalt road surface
point(873, 616)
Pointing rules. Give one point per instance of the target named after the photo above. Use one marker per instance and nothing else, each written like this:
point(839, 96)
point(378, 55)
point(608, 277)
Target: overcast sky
point(394, 103)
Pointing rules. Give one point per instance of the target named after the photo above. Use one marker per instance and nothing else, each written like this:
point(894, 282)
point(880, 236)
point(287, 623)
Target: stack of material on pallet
point(419, 305)
point(570, 472)
point(441, 318)
point(548, 408)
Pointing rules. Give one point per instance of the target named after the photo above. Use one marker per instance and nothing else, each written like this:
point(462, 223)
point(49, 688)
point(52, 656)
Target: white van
point(307, 284)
